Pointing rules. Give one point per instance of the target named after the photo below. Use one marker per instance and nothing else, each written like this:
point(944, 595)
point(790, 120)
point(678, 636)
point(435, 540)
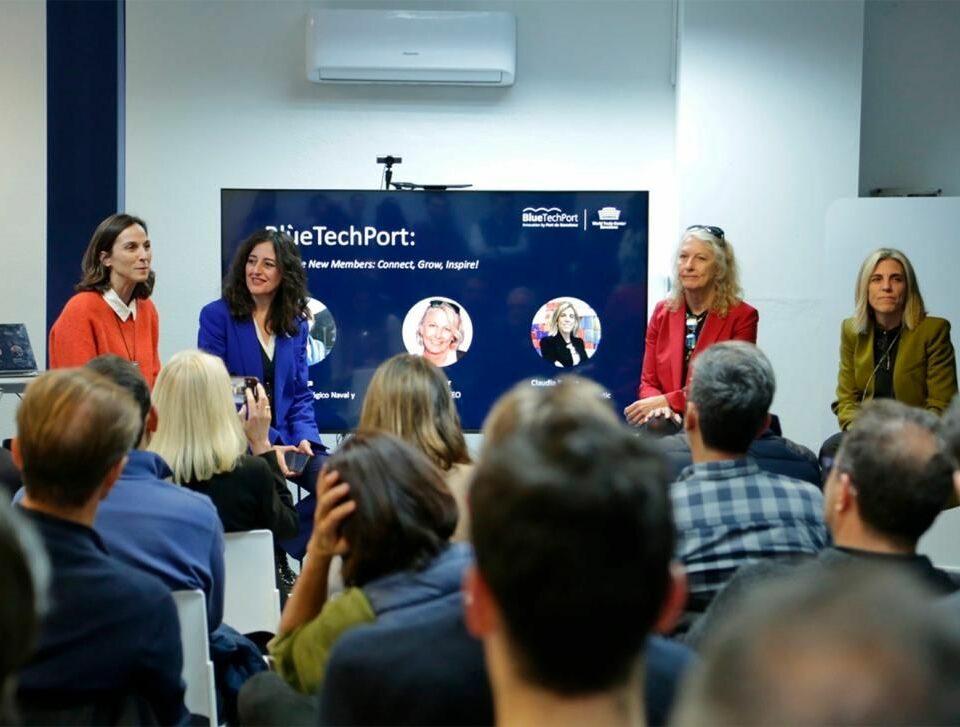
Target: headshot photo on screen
point(439, 329)
point(323, 331)
point(565, 332)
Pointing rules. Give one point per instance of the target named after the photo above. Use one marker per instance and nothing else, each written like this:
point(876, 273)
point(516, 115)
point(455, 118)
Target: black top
point(693, 325)
point(111, 632)
point(556, 350)
point(939, 582)
point(379, 674)
point(884, 358)
point(268, 376)
point(253, 496)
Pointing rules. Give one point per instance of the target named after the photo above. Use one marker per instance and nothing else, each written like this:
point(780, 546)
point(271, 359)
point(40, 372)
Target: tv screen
point(495, 287)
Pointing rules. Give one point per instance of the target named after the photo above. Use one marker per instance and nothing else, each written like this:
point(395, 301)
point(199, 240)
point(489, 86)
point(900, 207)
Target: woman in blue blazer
point(259, 328)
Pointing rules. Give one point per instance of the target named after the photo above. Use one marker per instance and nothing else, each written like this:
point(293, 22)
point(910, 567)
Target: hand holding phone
point(296, 461)
point(255, 417)
point(241, 384)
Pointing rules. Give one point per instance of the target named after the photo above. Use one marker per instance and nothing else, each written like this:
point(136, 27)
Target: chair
point(201, 696)
point(251, 600)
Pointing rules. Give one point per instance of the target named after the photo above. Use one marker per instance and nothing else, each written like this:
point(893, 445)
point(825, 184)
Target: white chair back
point(201, 696)
point(251, 599)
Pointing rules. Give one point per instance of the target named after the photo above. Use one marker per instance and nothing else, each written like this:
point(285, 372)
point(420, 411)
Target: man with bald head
point(110, 642)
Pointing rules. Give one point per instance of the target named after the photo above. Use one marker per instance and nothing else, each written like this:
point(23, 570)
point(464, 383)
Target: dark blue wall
point(84, 133)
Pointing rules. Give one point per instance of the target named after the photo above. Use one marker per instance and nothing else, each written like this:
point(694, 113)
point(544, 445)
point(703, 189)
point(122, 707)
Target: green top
point(300, 656)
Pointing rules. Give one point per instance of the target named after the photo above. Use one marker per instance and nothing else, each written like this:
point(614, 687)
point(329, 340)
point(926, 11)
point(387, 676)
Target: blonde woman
point(705, 307)
point(204, 440)
point(891, 348)
point(409, 397)
point(440, 333)
point(563, 346)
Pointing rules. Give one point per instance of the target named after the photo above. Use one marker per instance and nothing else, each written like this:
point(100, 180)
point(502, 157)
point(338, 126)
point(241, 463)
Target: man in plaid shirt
point(728, 511)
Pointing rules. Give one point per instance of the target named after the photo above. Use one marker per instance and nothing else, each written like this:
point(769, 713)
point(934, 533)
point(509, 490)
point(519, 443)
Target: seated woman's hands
point(642, 410)
point(333, 507)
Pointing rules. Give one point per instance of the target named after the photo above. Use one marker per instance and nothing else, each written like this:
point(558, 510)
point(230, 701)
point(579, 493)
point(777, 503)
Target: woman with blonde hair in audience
point(384, 508)
point(205, 440)
point(409, 396)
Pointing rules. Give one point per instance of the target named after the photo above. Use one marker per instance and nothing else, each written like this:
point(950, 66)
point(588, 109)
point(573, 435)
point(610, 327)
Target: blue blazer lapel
point(282, 360)
point(249, 348)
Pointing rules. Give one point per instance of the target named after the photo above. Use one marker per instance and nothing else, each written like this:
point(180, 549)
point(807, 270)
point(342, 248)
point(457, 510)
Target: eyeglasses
point(437, 303)
point(717, 232)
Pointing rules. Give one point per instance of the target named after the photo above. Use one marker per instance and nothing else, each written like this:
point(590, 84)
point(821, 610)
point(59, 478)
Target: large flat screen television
point(488, 284)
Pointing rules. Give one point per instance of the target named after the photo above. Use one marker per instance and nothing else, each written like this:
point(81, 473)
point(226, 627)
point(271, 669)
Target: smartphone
point(239, 385)
point(296, 461)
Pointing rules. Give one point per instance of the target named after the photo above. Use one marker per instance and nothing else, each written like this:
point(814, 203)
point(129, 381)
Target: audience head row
point(560, 531)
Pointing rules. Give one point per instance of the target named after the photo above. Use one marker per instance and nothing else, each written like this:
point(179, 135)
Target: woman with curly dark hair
point(259, 328)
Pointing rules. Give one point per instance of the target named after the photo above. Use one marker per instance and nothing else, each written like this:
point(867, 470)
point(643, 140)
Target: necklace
point(885, 356)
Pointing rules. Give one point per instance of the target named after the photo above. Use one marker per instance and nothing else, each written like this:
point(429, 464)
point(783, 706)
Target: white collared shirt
point(122, 310)
point(268, 342)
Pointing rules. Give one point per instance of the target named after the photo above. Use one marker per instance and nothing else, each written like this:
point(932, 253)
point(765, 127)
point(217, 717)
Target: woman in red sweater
point(111, 312)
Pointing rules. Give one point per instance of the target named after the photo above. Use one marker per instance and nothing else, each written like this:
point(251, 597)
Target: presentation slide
point(495, 287)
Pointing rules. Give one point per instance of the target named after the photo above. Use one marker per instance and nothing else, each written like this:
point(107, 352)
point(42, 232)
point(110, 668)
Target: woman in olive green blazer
point(922, 361)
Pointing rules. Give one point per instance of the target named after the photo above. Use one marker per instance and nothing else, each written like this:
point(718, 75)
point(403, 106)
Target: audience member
point(571, 517)
point(111, 639)
point(410, 397)
point(887, 486)
point(728, 511)
point(10, 479)
point(770, 450)
point(385, 509)
point(395, 668)
point(891, 477)
point(203, 439)
point(851, 646)
point(950, 430)
point(152, 524)
point(24, 576)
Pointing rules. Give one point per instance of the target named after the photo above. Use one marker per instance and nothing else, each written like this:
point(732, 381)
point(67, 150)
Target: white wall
point(768, 122)
point(23, 183)
point(217, 97)
point(911, 96)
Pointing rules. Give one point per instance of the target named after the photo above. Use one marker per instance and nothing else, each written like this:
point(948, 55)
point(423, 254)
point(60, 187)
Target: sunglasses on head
point(717, 232)
point(436, 303)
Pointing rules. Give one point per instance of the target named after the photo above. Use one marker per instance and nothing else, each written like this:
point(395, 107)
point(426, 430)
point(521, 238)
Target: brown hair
point(73, 425)
point(404, 512)
point(96, 275)
point(409, 396)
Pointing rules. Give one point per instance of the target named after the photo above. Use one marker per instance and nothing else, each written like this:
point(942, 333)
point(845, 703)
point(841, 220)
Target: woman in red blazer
point(704, 307)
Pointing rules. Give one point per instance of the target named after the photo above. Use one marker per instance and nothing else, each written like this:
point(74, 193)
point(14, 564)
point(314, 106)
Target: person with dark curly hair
point(112, 311)
point(259, 328)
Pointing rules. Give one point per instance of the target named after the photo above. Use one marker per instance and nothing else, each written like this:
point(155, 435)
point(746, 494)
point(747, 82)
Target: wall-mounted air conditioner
point(411, 46)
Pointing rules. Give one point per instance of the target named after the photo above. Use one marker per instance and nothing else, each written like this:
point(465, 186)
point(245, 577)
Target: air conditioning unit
point(458, 48)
